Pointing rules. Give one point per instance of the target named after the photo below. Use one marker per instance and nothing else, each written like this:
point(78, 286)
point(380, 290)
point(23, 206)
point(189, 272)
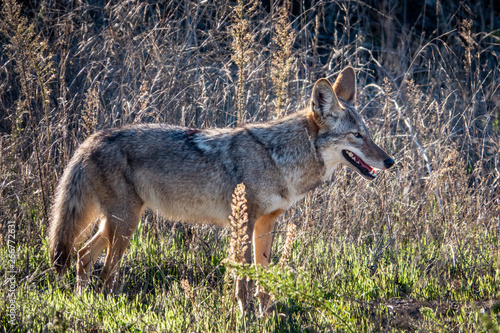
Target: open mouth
point(365, 169)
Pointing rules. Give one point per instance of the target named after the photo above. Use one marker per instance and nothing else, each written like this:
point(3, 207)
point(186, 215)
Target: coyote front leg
point(263, 240)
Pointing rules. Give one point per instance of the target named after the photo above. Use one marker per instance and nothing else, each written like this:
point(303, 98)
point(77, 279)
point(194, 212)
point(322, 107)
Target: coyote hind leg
point(119, 232)
point(87, 257)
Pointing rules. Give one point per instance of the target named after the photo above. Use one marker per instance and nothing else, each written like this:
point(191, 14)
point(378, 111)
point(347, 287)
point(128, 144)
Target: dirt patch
point(407, 314)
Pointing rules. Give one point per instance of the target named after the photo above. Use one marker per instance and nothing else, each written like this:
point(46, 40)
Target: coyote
point(189, 175)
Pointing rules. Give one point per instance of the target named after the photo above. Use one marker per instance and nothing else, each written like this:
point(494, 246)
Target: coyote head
point(342, 136)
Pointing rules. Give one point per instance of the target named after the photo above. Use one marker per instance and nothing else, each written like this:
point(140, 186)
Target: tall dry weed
point(238, 244)
point(283, 57)
point(239, 224)
point(243, 37)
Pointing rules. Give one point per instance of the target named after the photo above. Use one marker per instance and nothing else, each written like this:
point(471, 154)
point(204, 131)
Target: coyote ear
point(345, 85)
point(323, 100)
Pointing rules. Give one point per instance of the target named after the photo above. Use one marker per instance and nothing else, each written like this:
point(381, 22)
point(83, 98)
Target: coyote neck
point(291, 143)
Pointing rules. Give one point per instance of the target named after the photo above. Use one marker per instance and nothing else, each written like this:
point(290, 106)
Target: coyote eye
point(359, 136)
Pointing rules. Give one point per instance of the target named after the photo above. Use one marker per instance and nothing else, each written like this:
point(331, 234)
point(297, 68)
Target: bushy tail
point(71, 215)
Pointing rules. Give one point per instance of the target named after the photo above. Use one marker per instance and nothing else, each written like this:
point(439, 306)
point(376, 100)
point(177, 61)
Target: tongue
point(363, 164)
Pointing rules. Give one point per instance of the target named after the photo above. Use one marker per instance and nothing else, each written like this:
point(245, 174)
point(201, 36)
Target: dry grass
point(428, 86)
point(239, 224)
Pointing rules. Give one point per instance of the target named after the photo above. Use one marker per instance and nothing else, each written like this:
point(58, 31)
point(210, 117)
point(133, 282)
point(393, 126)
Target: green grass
point(345, 287)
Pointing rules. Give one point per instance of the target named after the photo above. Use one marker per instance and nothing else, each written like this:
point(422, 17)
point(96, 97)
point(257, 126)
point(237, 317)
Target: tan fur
point(345, 85)
point(313, 121)
point(189, 175)
point(262, 242)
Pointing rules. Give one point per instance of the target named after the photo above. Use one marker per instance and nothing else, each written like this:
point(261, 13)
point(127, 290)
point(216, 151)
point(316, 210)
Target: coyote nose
point(389, 162)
